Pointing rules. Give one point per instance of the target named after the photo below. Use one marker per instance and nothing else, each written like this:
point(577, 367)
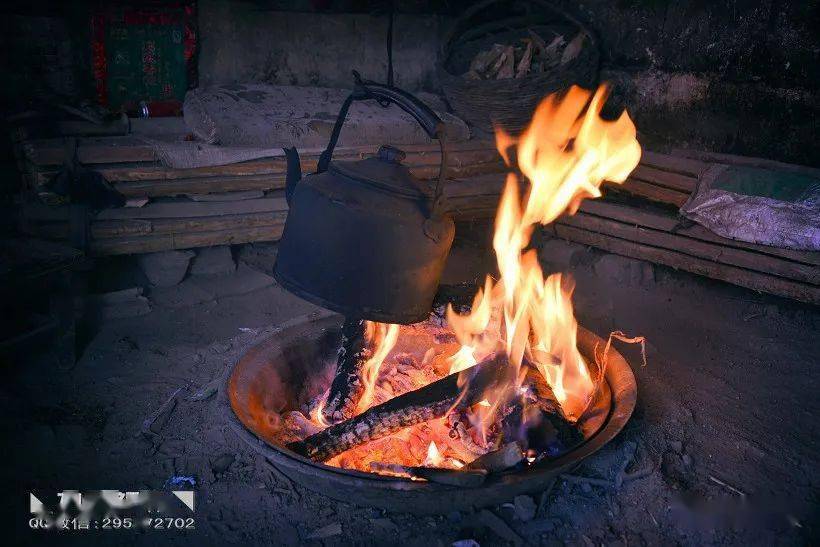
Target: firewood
point(348, 382)
point(651, 228)
point(299, 425)
point(435, 400)
point(492, 72)
point(539, 45)
point(151, 244)
point(486, 59)
point(507, 69)
point(551, 55)
point(462, 440)
point(539, 392)
point(648, 218)
point(573, 49)
point(526, 60)
point(541, 433)
point(498, 460)
point(464, 478)
point(675, 259)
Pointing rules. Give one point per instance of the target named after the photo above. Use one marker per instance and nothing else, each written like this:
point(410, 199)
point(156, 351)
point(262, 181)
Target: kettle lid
point(384, 171)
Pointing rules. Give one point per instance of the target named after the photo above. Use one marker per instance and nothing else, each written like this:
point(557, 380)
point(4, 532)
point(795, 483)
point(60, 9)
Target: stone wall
point(732, 76)
point(240, 42)
point(737, 76)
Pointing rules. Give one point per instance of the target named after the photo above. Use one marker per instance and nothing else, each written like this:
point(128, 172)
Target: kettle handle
point(424, 115)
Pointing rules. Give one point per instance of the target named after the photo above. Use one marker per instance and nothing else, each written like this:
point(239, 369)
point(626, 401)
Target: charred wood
point(540, 424)
point(348, 383)
point(464, 478)
point(507, 456)
point(539, 393)
point(435, 400)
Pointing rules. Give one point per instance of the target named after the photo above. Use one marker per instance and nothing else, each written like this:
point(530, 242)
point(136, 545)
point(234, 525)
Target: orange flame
point(566, 153)
point(382, 336)
point(316, 414)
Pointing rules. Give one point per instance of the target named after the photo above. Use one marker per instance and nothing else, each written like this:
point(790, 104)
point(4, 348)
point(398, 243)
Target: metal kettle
point(366, 238)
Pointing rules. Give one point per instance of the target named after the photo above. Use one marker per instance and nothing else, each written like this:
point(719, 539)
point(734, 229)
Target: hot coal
point(432, 401)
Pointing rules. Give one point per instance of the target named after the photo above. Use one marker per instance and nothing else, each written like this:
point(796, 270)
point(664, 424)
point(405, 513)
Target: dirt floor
point(723, 440)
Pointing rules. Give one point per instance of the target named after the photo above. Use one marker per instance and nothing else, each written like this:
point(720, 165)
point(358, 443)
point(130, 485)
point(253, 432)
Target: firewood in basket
point(298, 425)
point(573, 49)
point(492, 72)
point(461, 439)
point(538, 43)
point(483, 60)
point(435, 400)
point(507, 69)
point(542, 433)
point(348, 382)
point(551, 54)
point(526, 60)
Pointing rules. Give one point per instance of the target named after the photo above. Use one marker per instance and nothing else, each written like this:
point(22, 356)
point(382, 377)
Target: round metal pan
point(310, 341)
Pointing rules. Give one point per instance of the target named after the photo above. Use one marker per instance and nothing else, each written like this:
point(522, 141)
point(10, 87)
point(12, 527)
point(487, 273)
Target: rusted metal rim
point(403, 495)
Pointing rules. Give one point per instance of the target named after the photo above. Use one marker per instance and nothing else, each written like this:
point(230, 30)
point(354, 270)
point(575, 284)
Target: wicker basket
point(510, 102)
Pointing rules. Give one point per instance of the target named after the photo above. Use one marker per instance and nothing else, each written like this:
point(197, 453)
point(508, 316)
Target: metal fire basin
point(297, 360)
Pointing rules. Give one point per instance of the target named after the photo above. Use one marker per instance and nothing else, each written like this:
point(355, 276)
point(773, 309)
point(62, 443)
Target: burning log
point(539, 392)
point(507, 456)
point(464, 478)
point(543, 434)
point(465, 439)
point(348, 383)
point(435, 400)
point(299, 425)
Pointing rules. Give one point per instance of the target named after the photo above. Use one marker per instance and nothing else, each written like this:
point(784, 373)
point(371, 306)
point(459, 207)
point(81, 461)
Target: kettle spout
point(294, 174)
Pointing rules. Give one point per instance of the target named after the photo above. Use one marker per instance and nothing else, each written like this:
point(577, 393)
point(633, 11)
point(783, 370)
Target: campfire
point(502, 382)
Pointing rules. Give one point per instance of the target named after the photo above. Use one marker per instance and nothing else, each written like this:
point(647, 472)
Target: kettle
point(366, 238)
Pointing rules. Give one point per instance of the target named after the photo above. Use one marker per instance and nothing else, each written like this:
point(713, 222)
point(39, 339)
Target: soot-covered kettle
point(366, 238)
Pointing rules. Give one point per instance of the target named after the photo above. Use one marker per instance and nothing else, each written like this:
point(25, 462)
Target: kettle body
point(365, 238)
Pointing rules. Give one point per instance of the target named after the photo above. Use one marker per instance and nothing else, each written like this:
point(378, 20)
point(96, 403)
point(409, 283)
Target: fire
point(522, 318)
point(316, 414)
point(566, 153)
point(382, 337)
point(434, 457)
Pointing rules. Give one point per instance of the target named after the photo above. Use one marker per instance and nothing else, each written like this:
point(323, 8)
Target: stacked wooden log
point(664, 179)
point(650, 229)
point(225, 204)
point(659, 237)
point(244, 202)
point(163, 226)
point(130, 165)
